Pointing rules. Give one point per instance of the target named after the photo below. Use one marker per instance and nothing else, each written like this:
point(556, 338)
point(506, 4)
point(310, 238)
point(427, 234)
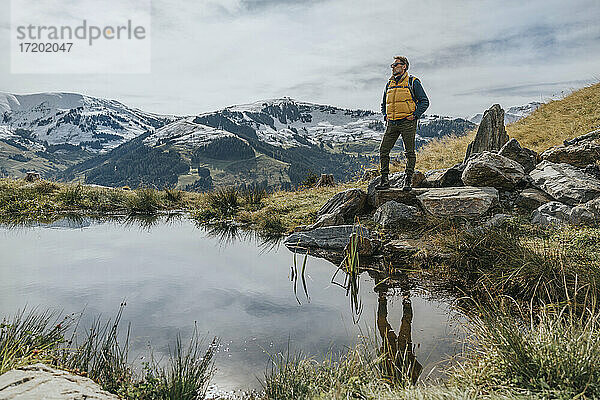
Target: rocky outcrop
point(580, 151)
point(553, 213)
point(331, 238)
point(393, 214)
point(345, 205)
point(491, 134)
point(586, 214)
point(396, 181)
point(531, 198)
point(513, 150)
point(565, 183)
point(39, 381)
point(493, 170)
point(466, 201)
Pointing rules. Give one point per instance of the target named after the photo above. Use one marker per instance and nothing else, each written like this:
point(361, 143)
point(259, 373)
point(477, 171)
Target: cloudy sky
point(208, 54)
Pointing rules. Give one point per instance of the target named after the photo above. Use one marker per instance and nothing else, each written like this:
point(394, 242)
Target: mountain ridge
point(274, 142)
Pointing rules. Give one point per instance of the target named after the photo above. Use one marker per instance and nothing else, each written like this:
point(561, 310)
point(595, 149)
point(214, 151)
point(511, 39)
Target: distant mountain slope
point(96, 125)
point(512, 114)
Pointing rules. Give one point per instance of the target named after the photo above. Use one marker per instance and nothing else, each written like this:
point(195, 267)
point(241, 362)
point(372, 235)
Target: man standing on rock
point(404, 102)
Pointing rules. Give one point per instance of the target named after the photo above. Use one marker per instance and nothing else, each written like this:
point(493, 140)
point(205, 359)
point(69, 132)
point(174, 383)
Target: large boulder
point(466, 201)
point(345, 205)
point(513, 150)
point(580, 151)
point(392, 214)
point(396, 181)
point(39, 381)
point(531, 198)
point(491, 134)
point(331, 238)
point(565, 183)
point(553, 213)
point(445, 177)
point(586, 214)
point(491, 169)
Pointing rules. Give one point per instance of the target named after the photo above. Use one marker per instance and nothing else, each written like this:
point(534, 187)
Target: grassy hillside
point(548, 126)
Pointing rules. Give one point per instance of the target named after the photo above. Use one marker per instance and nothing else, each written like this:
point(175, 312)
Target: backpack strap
point(411, 83)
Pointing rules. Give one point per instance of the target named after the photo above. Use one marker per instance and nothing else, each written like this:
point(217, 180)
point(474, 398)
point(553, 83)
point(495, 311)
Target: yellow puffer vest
point(398, 100)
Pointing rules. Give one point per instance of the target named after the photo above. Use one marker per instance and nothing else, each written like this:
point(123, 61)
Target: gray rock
point(396, 181)
point(332, 238)
point(497, 221)
point(531, 198)
point(393, 214)
point(453, 176)
point(513, 150)
point(491, 134)
point(433, 178)
point(553, 213)
point(493, 170)
point(39, 381)
point(466, 201)
point(580, 151)
point(446, 177)
point(593, 170)
point(565, 183)
point(345, 205)
point(586, 214)
point(398, 195)
point(325, 220)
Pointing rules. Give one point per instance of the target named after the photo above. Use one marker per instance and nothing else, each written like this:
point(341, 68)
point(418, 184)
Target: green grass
point(101, 353)
point(551, 352)
point(517, 259)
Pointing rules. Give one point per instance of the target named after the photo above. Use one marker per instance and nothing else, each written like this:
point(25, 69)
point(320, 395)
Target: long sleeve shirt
point(420, 99)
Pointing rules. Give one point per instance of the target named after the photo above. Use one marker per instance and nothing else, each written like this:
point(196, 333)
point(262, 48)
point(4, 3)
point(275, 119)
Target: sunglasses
point(394, 65)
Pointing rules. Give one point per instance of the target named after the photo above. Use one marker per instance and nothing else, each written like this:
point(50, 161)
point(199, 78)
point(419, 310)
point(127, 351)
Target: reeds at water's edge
point(33, 336)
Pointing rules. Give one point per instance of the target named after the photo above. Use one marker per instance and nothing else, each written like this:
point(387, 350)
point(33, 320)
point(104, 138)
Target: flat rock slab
point(332, 238)
point(398, 195)
point(565, 183)
point(40, 381)
point(465, 201)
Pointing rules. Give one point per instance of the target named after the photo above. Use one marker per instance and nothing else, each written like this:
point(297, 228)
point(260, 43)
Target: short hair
point(403, 60)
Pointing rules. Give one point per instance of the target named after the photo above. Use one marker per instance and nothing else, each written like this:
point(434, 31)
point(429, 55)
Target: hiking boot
point(407, 183)
point(384, 184)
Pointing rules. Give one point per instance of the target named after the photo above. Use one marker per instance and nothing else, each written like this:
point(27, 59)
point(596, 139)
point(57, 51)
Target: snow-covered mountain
point(513, 114)
point(274, 142)
point(286, 123)
point(98, 125)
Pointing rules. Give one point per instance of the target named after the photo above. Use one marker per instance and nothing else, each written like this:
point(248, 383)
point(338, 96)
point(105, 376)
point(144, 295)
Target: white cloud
point(210, 54)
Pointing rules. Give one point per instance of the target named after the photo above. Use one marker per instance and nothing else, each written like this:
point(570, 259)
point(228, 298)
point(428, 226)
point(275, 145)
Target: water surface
point(173, 274)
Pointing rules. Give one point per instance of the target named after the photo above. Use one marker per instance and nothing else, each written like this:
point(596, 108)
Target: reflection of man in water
point(399, 353)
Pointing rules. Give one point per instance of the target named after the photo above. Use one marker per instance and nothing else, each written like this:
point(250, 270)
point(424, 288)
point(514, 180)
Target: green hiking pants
point(407, 129)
